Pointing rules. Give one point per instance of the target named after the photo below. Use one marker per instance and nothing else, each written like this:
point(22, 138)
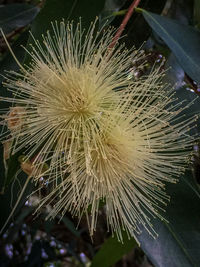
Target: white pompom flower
point(102, 134)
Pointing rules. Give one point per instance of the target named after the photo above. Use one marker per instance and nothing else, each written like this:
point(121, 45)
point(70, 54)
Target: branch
point(124, 22)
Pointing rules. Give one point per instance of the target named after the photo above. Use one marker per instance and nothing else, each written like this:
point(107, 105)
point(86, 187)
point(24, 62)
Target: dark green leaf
point(197, 12)
point(178, 243)
point(188, 98)
point(175, 74)
point(35, 257)
point(2, 169)
point(110, 8)
point(114, 4)
point(48, 225)
point(183, 40)
point(69, 224)
point(10, 197)
point(23, 215)
point(68, 10)
point(13, 167)
point(9, 63)
point(112, 251)
point(16, 15)
point(12, 191)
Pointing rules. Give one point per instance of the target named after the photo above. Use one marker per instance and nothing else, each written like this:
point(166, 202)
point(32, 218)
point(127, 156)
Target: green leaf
point(197, 12)
point(68, 10)
point(16, 15)
point(69, 224)
point(48, 225)
point(114, 4)
point(189, 98)
point(178, 243)
point(8, 63)
point(2, 169)
point(183, 40)
point(10, 197)
point(110, 9)
point(13, 167)
point(112, 251)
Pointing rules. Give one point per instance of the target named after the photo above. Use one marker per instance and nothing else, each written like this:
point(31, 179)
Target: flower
point(103, 134)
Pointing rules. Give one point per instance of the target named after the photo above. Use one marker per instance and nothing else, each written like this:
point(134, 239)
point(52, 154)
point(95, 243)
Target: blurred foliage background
point(166, 31)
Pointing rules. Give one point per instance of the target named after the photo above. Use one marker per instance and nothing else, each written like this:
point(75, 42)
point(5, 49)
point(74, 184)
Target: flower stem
point(124, 22)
